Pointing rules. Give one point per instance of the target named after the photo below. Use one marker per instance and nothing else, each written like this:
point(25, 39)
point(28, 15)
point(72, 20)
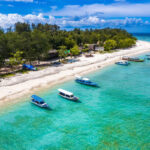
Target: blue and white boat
point(123, 63)
point(68, 95)
point(39, 101)
point(85, 81)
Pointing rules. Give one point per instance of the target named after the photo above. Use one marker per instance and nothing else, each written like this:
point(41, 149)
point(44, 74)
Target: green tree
point(62, 52)
point(4, 52)
point(75, 50)
point(69, 43)
point(85, 46)
point(110, 45)
point(128, 42)
point(16, 59)
point(1, 61)
point(39, 44)
point(14, 42)
point(22, 27)
point(85, 50)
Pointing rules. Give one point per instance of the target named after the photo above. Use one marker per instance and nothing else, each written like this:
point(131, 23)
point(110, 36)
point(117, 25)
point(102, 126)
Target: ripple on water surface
point(114, 116)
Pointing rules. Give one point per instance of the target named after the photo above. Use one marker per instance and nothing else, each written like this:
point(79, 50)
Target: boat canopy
point(65, 92)
point(86, 79)
point(30, 67)
point(79, 77)
point(122, 61)
point(37, 98)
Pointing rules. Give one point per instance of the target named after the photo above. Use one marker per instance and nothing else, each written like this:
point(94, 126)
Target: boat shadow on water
point(46, 109)
point(87, 86)
point(78, 101)
point(74, 101)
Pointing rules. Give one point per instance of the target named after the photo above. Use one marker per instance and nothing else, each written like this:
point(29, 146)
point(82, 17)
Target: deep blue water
point(142, 36)
point(114, 116)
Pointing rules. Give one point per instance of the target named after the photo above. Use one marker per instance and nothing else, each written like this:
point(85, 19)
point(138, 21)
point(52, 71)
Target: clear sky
point(133, 15)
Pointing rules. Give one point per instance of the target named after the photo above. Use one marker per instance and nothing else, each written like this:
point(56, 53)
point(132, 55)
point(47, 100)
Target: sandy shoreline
point(23, 84)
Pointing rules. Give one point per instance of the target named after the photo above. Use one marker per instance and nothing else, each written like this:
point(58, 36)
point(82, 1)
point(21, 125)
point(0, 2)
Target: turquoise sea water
point(114, 116)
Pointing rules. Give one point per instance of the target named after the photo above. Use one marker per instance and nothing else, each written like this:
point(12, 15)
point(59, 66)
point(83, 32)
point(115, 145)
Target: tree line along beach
point(58, 54)
point(36, 44)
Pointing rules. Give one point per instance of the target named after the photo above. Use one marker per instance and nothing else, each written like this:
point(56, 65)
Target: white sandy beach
point(22, 84)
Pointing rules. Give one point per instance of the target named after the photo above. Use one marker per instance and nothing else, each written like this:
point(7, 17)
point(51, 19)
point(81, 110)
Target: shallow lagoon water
point(114, 116)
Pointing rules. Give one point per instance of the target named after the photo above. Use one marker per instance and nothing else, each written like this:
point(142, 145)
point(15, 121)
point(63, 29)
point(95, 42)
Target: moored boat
point(85, 81)
point(68, 95)
point(38, 101)
point(88, 55)
point(29, 67)
point(125, 58)
point(135, 59)
point(123, 63)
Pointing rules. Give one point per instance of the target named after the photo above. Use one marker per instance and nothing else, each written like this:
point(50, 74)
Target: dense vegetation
point(32, 42)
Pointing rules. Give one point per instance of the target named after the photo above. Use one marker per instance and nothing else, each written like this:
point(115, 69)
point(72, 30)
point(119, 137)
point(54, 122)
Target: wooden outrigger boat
point(134, 59)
